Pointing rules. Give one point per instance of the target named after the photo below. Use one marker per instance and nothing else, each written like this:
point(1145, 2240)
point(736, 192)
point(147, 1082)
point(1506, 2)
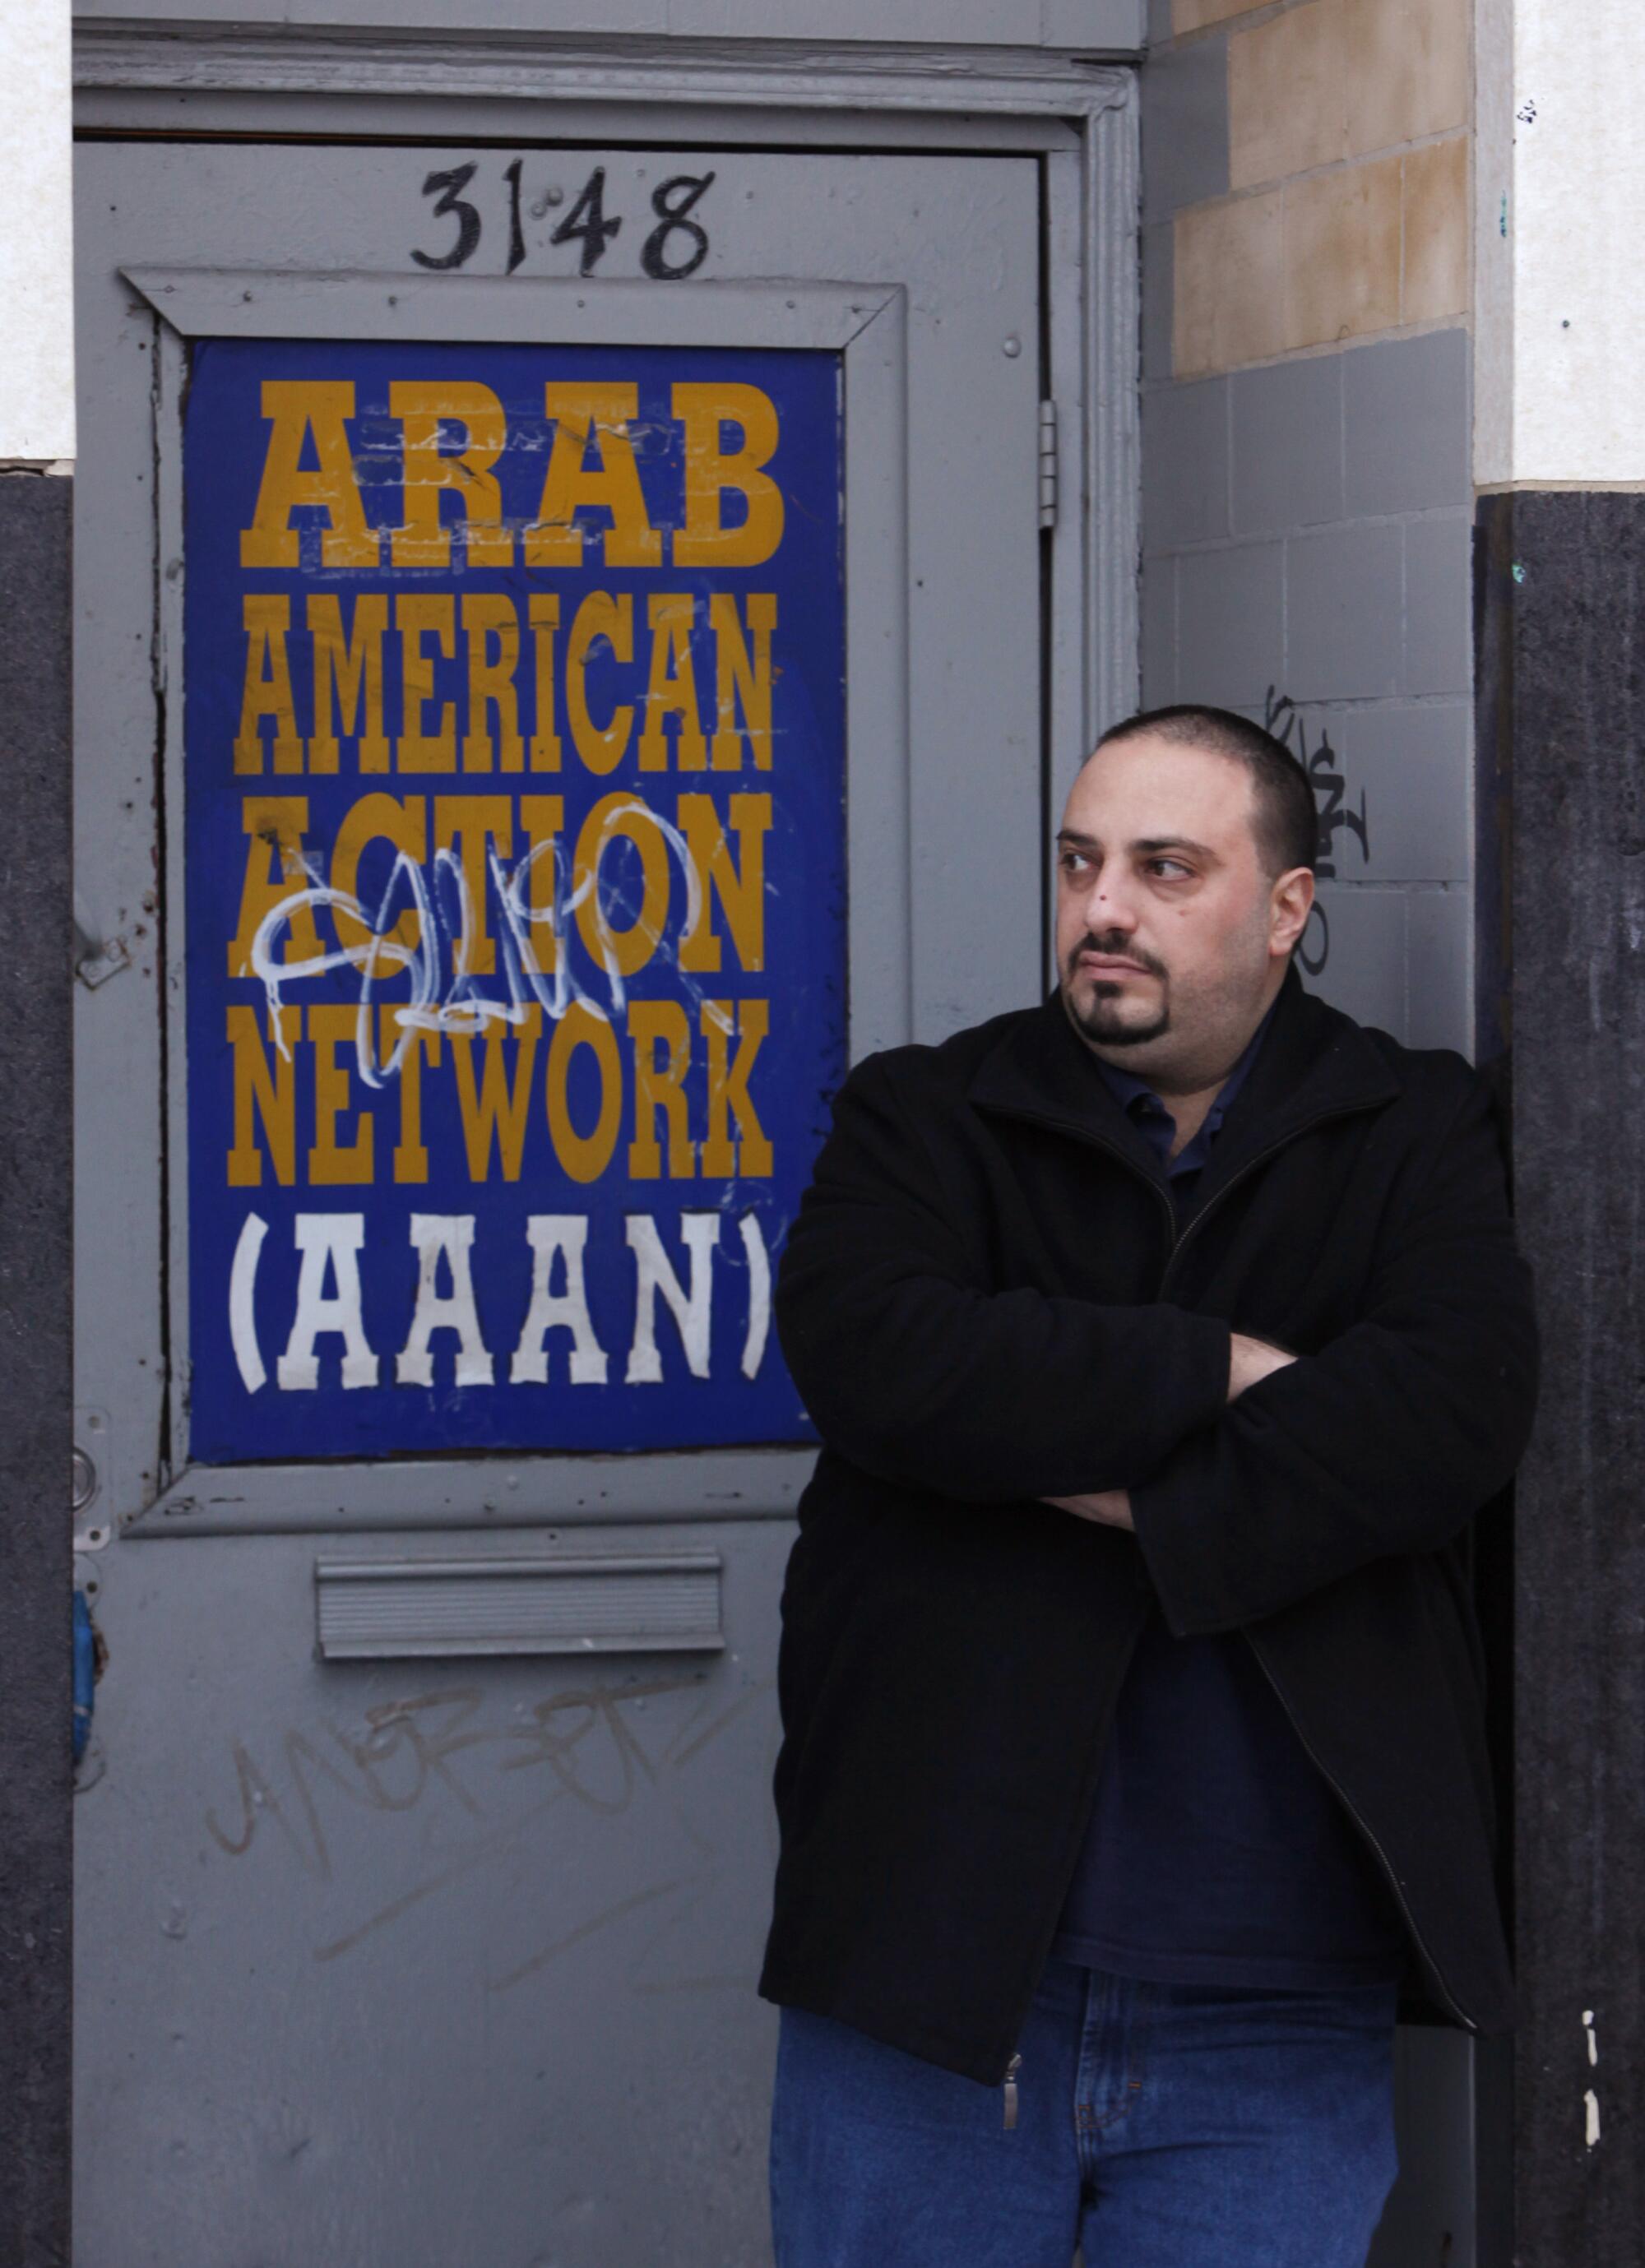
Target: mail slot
point(384, 1609)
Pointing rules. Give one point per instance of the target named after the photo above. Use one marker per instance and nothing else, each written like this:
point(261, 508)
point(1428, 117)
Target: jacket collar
point(1315, 1064)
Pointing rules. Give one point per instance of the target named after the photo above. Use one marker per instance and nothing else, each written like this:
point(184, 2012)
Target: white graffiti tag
point(457, 1005)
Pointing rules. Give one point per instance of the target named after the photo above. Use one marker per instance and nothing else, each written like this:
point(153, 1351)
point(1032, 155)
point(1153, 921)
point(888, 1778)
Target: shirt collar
point(1150, 1113)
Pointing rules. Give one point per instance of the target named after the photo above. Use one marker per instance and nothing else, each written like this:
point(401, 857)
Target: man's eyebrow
point(1148, 846)
point(1151, 845)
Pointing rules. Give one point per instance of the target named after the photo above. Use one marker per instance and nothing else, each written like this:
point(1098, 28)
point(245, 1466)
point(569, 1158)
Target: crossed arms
point(1250, 1362)
point(1251, 1479)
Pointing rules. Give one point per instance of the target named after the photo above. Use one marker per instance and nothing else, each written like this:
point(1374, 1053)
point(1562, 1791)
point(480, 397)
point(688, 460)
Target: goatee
point(1100, 1023)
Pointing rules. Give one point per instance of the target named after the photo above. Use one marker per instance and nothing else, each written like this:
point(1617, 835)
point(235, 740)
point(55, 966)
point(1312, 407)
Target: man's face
point(1171, 938)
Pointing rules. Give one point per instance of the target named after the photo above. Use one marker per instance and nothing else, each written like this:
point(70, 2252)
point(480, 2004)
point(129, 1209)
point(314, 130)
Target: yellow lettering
point(741, 889)
point(348, 679)
point(471, 823)
point(600, 615)
point(418, 615)
point(728, 1088)
point(465, 474)
point(741, 682)
point(275, 826)
point(580, 412)
point(624, 950)
point(410, 1157)
point(267, 690)
point(334, 1024)
point(486, 616)
point(584, 1157)
point(295, 409)
point(544, 614)
point(265, 1088)
point(672, 686)
point(705, 540)
point(659, 1086)
point(499, 1108)
point(540, 819)
point(374, 819)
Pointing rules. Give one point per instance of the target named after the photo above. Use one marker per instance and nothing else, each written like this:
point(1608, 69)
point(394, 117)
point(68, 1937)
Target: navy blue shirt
point(1217, 1853)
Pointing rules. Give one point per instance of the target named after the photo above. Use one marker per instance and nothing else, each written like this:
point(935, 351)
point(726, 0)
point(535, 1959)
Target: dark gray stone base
point(36, 1528)
point(1562, 720)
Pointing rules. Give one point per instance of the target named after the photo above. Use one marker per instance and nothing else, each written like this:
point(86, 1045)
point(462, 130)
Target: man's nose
point(1109, 905)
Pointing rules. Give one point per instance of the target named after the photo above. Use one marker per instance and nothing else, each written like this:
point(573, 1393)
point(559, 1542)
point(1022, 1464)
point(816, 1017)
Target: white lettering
point(566, 1235)
point(759, 1293)
point(242, 1311)
point(691, 1310)
point(447, 1236)
point(331, 1244)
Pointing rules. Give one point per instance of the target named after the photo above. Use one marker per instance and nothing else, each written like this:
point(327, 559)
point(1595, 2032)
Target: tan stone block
point(1381, 78)
point(1441, 36)
point(1437, 211)
point(1406, 70)
point(1194, 15)
point(1342, 254)
point(1229, 280)
point(1287, 106)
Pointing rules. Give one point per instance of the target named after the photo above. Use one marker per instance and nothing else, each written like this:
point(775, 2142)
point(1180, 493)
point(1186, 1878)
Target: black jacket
point(986, 1298)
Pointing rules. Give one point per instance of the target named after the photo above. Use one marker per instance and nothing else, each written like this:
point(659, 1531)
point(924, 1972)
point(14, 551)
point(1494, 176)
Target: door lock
point(89, 1535)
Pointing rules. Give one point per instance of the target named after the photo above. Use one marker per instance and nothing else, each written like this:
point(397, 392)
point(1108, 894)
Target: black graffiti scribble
point(407, 1746)
point(1283, 719)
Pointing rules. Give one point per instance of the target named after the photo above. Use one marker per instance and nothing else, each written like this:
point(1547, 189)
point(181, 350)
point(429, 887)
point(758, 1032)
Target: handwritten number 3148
point(677, 247)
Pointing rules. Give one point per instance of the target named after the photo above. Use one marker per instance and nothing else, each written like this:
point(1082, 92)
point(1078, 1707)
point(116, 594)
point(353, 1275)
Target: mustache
point(1114, 943)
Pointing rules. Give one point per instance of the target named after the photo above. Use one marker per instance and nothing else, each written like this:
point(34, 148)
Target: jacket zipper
point(1183, 1236)
point(1251, 1167)
point(1357, 1818)
point(1179, 1238)
point(1015, 2065)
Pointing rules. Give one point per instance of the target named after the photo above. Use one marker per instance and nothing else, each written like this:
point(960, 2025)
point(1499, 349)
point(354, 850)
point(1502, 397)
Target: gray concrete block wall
point(1286, 454)
point(1306, 533)
point(1306, 540)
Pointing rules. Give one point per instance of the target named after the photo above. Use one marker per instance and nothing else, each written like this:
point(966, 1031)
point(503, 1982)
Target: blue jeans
point(1158, 2126)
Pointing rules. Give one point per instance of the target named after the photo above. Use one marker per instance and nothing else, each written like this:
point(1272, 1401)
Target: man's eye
point(1172, 869)
point(1073, 862)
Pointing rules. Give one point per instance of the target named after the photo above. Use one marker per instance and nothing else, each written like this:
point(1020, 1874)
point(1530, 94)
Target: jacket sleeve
point(913, 1368)
point(1386, 1441)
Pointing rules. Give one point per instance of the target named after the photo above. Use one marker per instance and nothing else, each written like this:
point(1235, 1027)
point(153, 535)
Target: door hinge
point(1048, 464)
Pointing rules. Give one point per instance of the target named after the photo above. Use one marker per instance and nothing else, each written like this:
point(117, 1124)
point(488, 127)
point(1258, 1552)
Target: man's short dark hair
point(1287, 821)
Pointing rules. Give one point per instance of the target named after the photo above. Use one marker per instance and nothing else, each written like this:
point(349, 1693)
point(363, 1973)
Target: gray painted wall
point(1104, 26)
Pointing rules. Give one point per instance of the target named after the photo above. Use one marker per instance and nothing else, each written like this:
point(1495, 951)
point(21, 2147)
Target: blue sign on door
point(516, 888)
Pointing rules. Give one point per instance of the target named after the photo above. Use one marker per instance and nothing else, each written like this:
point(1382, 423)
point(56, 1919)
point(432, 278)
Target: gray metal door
point(558, 674)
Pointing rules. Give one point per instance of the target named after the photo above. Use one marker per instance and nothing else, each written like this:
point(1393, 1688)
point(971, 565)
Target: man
point(1163, 1340)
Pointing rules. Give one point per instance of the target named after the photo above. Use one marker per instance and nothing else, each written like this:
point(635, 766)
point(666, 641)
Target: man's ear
point(1288, 908)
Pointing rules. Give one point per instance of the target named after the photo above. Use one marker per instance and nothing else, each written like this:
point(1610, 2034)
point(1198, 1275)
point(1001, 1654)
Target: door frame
point(865, 325)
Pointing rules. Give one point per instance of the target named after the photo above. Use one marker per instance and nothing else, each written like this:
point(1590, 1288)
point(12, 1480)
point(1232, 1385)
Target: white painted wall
point(36, 244)
point(1560, 186)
